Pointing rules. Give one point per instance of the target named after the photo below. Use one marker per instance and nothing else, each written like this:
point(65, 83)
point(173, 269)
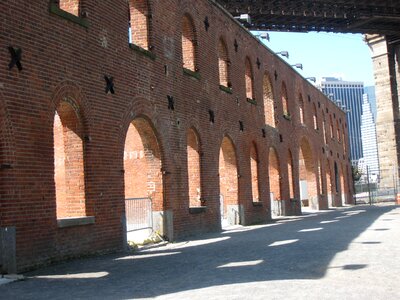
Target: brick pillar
point(383, 57)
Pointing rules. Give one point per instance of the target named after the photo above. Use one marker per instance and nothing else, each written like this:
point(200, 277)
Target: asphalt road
point(347, 253)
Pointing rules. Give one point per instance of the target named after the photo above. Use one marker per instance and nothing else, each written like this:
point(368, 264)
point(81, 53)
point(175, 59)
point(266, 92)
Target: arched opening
point(308, 180)
point(144, 206)
point(315, 117)
point(337, 182)
point(342, 187)
point(301, 109)
point(139, 23)
point(228, 184)
point(269, 109)
point(70, 6)
point(319, 175)
point(331, 127)
point(69, 170)
point(249, 79)
point(274, 183)
point(284, 98)
point(194, 171)
point(189, 44)
point(254, 173)
point(339, 138)
point(344, 138)
point(329, 187)
point(223, 64)
point(324, 128)
point(290, 174)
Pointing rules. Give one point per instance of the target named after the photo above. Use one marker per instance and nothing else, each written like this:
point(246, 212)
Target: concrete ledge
point(55, 9)
point(191, 73)
point(79, 221)
point(197, 210)
point(142, 51)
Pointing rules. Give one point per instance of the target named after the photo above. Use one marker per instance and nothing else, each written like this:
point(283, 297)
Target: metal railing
point(138, 212)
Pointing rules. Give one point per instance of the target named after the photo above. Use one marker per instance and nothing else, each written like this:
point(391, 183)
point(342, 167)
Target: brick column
point(383, 57)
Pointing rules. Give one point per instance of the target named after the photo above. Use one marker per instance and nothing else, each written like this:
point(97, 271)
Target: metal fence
point(373, 193)
point(138, 214)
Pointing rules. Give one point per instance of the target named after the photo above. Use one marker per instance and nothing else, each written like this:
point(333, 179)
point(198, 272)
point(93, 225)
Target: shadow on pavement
point(300, 249)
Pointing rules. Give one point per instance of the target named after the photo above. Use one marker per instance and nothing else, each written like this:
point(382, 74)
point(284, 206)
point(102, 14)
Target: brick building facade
point(172, 100)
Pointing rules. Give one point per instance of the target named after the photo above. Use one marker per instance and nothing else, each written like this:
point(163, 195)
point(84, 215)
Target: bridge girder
point(373, 17)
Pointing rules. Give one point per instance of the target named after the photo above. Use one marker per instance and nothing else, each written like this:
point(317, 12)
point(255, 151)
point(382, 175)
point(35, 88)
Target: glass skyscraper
point(370, 146)
point(349, 95)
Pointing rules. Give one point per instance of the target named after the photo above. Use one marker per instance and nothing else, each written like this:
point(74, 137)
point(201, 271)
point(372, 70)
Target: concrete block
point(163, 223)
point(8, 250)
point(235, 214)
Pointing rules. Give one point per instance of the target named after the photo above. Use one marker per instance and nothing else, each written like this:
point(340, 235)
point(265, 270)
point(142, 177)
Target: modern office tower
point(370, 146)
point(349, 95)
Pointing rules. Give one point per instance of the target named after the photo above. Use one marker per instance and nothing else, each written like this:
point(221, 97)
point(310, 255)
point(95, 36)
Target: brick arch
point(331, 128)
point(71, 92)
point(291, 179)
point(254, 168)
point(274, 177)
point(269, 102)
point(228, 181)
point(329, 183)
point(69, 114)
point(315, 116)
point(284, 99)
point(189, 43)
point(249, 78)
point(338, 133)
point(302, 118)
point(223, 63)
point(307, 174)
point(343, 185)
point(324, 128)
point(142, 155)
point(140, 23)
point(69, 161)
point(194, 167)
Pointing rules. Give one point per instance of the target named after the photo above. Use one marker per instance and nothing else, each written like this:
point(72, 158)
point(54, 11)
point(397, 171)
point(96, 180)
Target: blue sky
point(326, 54)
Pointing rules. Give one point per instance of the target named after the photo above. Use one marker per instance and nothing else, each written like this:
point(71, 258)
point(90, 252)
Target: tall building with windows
point(370, 91)
point(368, 134)
point(349, 95)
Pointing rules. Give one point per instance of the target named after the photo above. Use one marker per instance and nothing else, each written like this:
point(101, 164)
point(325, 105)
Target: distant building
point(370, 91)
point(349, 95)
point(370, 146)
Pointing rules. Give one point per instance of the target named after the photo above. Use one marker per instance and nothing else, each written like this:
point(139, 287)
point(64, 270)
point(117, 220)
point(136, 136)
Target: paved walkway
point(348, 253)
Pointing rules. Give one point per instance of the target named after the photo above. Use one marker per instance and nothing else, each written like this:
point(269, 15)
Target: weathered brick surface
point(65, 62)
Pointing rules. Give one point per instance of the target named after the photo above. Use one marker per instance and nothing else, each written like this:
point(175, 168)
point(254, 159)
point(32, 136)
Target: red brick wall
point(65, 60)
